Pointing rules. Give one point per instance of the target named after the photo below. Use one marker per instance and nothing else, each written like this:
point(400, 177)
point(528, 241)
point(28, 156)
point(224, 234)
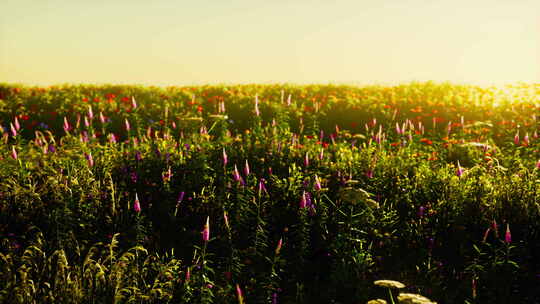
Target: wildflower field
point(269, 194)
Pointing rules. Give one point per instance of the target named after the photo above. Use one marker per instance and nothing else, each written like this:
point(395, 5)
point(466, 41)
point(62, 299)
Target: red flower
point(199, 109)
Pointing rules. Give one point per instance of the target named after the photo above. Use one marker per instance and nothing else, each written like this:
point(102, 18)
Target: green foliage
point(345, 185)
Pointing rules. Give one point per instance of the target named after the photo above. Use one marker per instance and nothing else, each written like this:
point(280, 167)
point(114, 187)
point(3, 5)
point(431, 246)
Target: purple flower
point(17, 125)
point(369, 173)
point(225, 159)
point(180, 197)
point(206, 230)
point(14, 152)
point(137, 204)
point(508, 235)
point(303, 200)
point(460, 170)
point(52, 149)
point(90, 113)
point(262, 187)
point(89, 158)
point(134, 177)
point(421, 211)
point(257, 112)
point(246, 169)
point(317, 185)
point(13, 130)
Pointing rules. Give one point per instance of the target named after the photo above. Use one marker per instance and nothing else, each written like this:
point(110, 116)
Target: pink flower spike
point(128, 127)
point(14, 152)
point(101, 117)
point(257, 112)
point(279, 244)
point(137, 204)
point(460, 170)
point(538, 164)
point(516, 138)
point(90, 159)
point(13, 130)
point(206, 230)
point(484, 239)
point(225, 159)
point(133, 102)
point(508, 235)
point(303, 201)
point(246, 169)
point(90, 113)
point(226, 219)
point(239, 294)
point(17, 125)
point(317, 186)
point(306, 160)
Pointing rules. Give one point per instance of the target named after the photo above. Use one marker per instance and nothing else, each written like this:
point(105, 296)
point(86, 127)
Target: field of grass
point(269, 193)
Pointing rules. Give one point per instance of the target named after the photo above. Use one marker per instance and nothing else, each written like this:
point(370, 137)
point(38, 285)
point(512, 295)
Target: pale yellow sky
point(166, 42)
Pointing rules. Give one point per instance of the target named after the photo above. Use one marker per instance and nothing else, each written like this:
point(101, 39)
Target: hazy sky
point(166, 42)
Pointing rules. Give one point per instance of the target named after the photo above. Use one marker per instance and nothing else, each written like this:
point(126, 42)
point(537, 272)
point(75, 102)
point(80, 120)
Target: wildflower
point(16, 123)
point(526, 139)
point(246, 169)
point(133, 102)
point(188, 274)
point(89, 158)
point(112, 138)
point(180, 197)
point(86, 122)
point(128, 127)
point(13, 130)
point(398, 129)
point(538, 164)
point(516, 138)
point(495, 228)
point(67, 127)
point(279, 244)
point(224, 158)
point(257, 112)
point(90, 113)
point(206, 230)
point(14, 152)
point(460, 170)
point(306, 160)
point(486, 234)
point(508, 235)
point(137, 204)
point(317, 186)
point(420, 212)
point(321, 154)
point(389, 284)
point(377, 301)
point(236, 175)
point(262, 187)
point(239, 294)
point(101, 117)
point(411, 298)
point(369, 173)
point(473, 287)
point(226, 219)
point(303, 201)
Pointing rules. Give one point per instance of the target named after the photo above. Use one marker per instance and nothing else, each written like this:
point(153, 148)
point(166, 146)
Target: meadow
point(269, 193)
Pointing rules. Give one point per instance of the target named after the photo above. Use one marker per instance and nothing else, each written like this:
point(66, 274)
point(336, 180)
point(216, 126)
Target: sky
point(168, 42)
